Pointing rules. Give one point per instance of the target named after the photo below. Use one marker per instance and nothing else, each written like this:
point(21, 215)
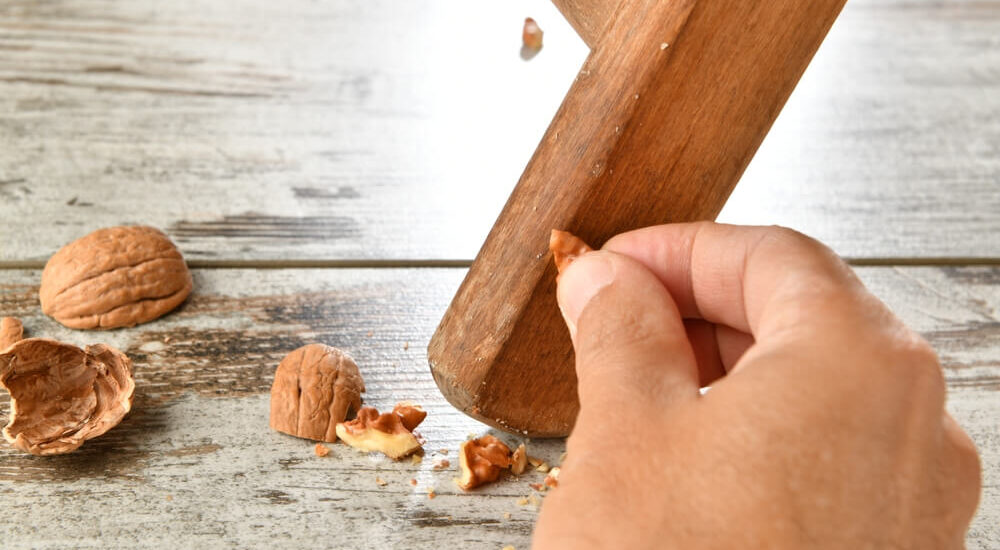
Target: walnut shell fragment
point(519, 460)
point(61, 395)
point(481, 460)
point(314, 388)
point(114, 277)
point(565, 248)
point(388, 433)
point(531, 34)
point(11, 332)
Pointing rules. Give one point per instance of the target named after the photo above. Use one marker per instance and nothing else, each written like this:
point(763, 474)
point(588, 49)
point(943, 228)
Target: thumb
point(629, 338)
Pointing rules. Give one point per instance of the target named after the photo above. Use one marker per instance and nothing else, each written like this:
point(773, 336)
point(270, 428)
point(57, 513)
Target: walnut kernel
point(481, 461)
point(565, 248)
point(385, 433)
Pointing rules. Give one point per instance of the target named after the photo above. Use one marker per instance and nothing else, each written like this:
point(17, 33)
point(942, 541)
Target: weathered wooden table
point(329, 168)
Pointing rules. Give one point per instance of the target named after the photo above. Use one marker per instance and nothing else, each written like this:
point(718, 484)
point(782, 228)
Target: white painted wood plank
point(196, 465)
point(328, 130)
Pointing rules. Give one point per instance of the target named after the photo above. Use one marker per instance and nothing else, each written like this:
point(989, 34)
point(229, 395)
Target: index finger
point(757, 280)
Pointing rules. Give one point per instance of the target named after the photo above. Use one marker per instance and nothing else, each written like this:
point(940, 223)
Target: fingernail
point(581, 281)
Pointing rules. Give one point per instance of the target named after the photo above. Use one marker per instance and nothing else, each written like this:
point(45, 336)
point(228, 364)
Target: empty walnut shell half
point(114, 277)
point(61, 395)
point(314, 387)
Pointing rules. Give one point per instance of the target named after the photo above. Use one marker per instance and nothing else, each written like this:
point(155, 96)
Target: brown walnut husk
point(62, 395)
point(114, 277)
point(314, 387)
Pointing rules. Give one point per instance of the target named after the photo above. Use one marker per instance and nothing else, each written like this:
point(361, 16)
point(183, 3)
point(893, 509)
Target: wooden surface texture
point(286, 146)
point(196, 464)
point(252, 130)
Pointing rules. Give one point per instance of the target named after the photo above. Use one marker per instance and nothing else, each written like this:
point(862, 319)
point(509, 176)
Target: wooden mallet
point(666, 113)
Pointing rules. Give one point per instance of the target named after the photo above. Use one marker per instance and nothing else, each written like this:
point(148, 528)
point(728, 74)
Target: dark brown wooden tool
point(663, 118)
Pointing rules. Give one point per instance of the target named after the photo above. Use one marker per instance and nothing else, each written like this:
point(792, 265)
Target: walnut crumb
point(413, 482)
point(509, 547)
point(406, 346)
point(506, 515)
point(537, 486)
point(431, 494)
point(552, 480)
point(444, 452)
point(523, 501)
point(381, 482)
point(321, 450)
point(442, 464)
point(170, 498)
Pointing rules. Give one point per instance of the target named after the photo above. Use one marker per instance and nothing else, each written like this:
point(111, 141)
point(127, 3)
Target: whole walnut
point(314, 387)
point(61, 395)
point(114, 277)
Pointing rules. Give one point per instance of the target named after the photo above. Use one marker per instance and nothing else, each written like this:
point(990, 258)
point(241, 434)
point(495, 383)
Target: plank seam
point(460, 263)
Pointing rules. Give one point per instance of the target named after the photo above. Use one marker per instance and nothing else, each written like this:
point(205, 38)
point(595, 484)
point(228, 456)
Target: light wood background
point(329, 168)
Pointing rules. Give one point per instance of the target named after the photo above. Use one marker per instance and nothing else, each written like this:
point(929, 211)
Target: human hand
point(824, 426)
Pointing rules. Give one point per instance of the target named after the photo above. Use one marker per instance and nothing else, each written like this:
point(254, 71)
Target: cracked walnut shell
point(11, 332)
point(314, 387)
point(388, 433)
point(114, 277)
point(61, 395)
point(481, 460)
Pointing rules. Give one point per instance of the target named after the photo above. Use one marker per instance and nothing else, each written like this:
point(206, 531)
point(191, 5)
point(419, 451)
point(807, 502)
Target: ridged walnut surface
point(313, 389)
point(114, 277)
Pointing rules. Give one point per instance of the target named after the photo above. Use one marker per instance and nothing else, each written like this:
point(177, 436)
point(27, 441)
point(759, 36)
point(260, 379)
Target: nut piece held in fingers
point(314, 388)
point(565, 248)
point(114, 277)
point(11, 332)
point(385, 433)
point(481, 460)
point(61, 395)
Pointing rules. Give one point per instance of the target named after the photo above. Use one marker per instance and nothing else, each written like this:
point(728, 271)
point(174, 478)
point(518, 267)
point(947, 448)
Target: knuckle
point(914, 360)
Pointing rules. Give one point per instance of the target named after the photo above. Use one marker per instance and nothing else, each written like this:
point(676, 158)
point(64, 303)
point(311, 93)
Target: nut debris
point(532, 34)
point(381, 482)
point(321, 450)
point(11, 332)
point(442, 464)
point(519, 460)
point(313, 389)
point(387, 433)
point(552, 480)
point(114, 277)
point(61, 395)
point(481, 461)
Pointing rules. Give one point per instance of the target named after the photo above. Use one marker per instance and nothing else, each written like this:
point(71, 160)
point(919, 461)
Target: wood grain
point(359, 130)
point(588, 17)
point(194, 464)
point(681, 115)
